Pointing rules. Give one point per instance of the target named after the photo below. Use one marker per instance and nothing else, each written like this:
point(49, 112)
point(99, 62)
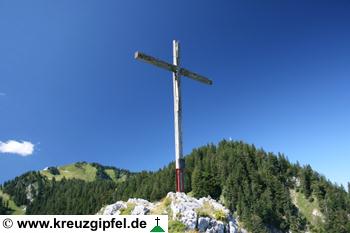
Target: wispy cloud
point(22, 148)
point(2, 94)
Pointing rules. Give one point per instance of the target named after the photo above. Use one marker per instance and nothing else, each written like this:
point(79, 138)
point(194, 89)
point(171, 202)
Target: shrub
point(220, 215)
point(202, 213)
point(167, 202)
point(127, 211)
point(176, 226)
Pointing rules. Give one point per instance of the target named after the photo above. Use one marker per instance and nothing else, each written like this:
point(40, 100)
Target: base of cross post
point(180, 187)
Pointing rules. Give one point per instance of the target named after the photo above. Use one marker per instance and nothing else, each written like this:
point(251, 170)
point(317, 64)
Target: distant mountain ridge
point(25, 193)
point(85, 171)
point(265, 190)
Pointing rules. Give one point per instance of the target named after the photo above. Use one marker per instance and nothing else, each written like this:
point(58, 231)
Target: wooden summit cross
point(177, 73)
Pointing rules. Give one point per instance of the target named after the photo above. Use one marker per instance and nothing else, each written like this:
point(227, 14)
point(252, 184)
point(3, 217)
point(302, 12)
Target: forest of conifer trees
point(252, 183)
point(3, 206)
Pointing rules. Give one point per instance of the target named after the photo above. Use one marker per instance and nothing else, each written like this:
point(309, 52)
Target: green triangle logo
point(157, 229)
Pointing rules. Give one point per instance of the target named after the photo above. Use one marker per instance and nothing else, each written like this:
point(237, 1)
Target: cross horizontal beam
point(171, 67)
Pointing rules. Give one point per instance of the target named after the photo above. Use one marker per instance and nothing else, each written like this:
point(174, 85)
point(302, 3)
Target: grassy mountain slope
point(11, 204)
point(85, 171)
point(310, 209)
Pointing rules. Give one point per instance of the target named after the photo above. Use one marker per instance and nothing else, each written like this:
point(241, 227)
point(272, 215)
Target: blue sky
point(70, 86)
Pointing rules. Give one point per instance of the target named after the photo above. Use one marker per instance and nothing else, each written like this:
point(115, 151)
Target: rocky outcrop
point(204, 214)
point(114, 209)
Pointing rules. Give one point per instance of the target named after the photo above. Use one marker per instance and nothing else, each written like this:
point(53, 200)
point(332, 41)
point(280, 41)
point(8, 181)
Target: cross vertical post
point(180, 187)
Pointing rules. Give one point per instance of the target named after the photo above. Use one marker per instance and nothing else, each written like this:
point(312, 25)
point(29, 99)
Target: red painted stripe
point(179, 181)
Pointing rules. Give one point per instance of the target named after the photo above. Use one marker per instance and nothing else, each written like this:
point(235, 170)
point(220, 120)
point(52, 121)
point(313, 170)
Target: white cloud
point(23, 148)
point(2, 94)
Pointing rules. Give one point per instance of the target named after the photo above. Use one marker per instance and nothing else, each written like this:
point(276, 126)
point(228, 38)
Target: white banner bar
point(83, 223)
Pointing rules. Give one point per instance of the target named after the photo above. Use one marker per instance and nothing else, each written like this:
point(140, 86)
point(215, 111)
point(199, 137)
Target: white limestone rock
point(140, 210)
point(142, 207)
point(233, 228)
point(203, 224)
point(317, 213)
point(114, 209)
point(184, 209)
point(216, 226)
